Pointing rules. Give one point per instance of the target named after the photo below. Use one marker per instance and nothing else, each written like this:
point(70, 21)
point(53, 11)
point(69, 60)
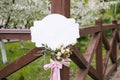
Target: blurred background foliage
point(22, 13)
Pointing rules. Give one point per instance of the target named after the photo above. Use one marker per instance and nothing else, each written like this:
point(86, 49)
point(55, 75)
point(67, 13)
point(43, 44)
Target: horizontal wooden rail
point(24, 34)
point(18, 31)
point(107, 27)
point(84, 31)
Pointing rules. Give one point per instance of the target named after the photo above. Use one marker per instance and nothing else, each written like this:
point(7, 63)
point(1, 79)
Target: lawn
point(33, 71)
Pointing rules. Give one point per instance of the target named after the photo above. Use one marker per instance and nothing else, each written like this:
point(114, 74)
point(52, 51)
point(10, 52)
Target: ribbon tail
point(56, 74)
point(51, 75)
point(59, 74)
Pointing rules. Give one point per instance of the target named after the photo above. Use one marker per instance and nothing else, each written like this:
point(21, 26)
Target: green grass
point(33, 71)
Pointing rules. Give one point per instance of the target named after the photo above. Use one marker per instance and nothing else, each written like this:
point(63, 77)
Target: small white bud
point(59, 54)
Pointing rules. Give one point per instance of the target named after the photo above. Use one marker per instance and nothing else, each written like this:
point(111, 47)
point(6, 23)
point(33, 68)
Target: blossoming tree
point(22, 13)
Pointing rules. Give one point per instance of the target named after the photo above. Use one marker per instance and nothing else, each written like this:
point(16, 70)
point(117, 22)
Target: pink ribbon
point(55, 69)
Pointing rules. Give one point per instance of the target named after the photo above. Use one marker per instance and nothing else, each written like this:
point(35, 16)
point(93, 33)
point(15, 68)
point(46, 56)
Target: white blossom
point(23, 11)
point(59, 54)
point(86, 13)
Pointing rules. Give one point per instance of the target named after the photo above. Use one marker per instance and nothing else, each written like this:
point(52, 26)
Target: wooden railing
point(102, 69)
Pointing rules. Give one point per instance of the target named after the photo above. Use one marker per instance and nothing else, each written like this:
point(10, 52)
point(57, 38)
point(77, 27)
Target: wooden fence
point(102, 69)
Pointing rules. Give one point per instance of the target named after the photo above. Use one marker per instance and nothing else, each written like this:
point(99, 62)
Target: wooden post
point(62, 7)
point(22, 44)
point(114, 48)
point(3, 52)
point(99, 61)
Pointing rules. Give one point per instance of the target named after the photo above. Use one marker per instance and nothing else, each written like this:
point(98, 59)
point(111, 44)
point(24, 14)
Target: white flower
point(59, 54)
point(62, 50)
point(67, 50)
point(58, 57)
point(54, 30)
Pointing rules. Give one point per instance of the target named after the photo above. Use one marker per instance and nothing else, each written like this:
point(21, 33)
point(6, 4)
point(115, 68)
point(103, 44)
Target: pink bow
point(55, 69)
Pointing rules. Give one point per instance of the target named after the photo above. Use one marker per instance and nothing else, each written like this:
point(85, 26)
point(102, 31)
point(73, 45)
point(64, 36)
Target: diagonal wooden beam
point(109, 70)
point(81, 62)
point(86, 65)
point(107, 56)
point(113, 54)
point(118, 36)
point(99, 59)
point(105, 42)
point(92, 47)
point(21, 62)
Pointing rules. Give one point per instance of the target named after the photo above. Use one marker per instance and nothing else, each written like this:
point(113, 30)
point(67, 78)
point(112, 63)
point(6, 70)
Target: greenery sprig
point(61, 53)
